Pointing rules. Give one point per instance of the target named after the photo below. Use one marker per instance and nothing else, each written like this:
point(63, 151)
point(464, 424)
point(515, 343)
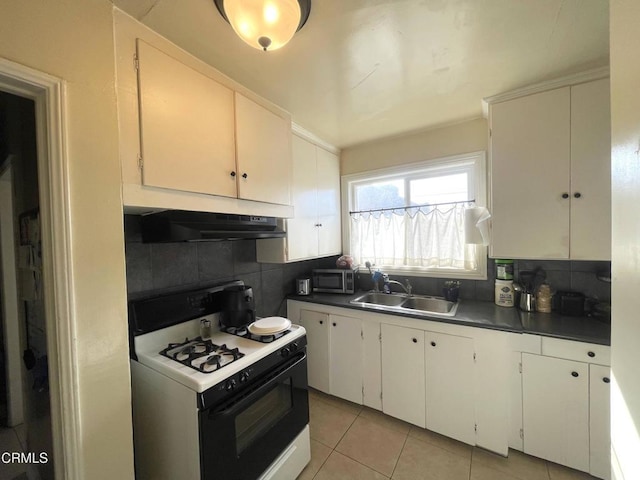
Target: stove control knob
point(230, 385)
point(244, 376)
point(285, 352)
point(294, 346)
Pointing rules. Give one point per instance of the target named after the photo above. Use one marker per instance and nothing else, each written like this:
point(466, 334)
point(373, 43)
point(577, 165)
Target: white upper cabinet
point(590, 171)
point(314, 231)
point(190, 137)
point(263, 142)
point(550, 164)
point(186, 127)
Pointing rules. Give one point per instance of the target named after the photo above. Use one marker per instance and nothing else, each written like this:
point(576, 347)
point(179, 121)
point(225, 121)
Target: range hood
point(187, 226)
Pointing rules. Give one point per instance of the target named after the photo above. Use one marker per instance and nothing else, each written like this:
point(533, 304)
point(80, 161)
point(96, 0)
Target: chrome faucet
point(406, 287)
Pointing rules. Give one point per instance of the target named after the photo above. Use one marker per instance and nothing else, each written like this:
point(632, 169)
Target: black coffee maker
point(238, 307)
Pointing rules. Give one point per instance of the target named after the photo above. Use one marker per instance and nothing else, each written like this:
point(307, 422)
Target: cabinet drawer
point(579, 351)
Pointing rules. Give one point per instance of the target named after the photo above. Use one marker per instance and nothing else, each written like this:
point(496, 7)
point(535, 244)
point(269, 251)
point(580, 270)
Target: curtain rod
point(411, 206)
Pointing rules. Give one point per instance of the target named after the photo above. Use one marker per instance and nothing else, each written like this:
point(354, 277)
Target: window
point(410, 219)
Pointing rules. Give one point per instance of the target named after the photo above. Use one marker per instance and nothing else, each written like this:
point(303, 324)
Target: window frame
point(477, 160)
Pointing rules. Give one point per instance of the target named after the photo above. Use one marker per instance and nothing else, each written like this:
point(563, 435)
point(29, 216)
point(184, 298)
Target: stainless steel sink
point(429, 304)
point(403, 303)
point(380, 299)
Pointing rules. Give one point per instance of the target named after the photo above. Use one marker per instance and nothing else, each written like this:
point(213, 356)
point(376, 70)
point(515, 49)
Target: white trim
point(575, 79)
point(50, 101)
point(478, 158)
point(307, 135)
point(10, 313)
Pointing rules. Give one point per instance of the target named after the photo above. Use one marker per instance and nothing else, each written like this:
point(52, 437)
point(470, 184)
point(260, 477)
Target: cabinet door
point(302, 230)
point(530, 158)
point(590, 171)
point(599, 421)
point(449, 386)
point(317, 326)
point(263, 144)
point(186, 126)
point(556, 410)
point(328, 187)
point(345, 378)
point(403, 373)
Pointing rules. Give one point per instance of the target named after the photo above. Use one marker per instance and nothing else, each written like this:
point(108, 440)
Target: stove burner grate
point(202, 355)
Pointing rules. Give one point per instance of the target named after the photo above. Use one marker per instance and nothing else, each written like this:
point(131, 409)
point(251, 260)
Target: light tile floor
point(349, 441)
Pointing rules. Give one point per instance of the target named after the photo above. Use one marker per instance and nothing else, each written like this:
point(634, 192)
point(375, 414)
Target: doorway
point(25, 385)
point(48, 97)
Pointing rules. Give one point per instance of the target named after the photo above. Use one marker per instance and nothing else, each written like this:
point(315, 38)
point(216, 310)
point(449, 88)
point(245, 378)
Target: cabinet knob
point(577, 194)
point(334, 324)
point(575, 374)
point(415, 340)
point(606, 380)
point(319, 224)
point(321, 322)
point(433, 344)
point(233, 174)
point(244, 175)
point(591, 354)
point(565, 195)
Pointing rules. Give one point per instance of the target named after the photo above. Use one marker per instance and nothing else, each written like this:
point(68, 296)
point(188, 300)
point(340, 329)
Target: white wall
point(625, 332)
point(470, 136)
point(73, 40)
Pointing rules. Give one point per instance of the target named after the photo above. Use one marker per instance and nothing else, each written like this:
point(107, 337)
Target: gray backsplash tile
point(175, 266)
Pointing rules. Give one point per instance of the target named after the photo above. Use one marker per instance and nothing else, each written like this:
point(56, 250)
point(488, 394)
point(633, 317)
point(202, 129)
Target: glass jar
point(504, 269)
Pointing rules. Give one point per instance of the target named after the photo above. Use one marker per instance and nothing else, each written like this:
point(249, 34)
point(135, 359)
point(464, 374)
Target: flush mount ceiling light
point(265, 24)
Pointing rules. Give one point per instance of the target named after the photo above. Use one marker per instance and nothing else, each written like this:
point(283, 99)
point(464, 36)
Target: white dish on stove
point(270, 326)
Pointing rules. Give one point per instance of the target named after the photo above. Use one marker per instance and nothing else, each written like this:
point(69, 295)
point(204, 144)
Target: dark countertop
point(488, 315)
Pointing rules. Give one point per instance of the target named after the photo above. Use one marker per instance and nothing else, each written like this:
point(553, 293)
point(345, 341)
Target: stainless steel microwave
point(334, 280)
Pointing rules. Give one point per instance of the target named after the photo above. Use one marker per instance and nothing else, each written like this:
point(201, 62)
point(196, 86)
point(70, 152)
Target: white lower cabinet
point(345, 365)
point(403, 373)
point(334, 354)
point(556, 410)
point(450, 386)
point(317, 326)
point(599, 421)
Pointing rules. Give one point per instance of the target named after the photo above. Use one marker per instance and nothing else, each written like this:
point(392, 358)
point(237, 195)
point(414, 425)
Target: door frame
point(49, 95)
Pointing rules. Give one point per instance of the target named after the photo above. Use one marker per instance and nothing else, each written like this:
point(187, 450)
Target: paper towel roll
point(476, 225)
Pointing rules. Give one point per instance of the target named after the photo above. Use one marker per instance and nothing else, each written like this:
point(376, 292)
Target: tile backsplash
point(573, 275)
point(166, 267)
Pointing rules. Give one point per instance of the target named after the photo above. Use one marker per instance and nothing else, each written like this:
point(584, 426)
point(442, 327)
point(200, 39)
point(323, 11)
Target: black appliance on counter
point(238, 306)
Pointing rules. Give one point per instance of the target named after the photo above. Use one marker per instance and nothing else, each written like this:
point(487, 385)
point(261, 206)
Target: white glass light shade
point(264, 24)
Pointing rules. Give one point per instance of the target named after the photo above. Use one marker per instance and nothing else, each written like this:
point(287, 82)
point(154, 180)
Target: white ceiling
point(365, 69)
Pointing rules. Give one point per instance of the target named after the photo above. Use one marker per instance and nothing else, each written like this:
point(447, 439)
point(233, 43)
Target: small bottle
point(504, 269)
point(504, 294)
point(205, 329)
point(543, 298)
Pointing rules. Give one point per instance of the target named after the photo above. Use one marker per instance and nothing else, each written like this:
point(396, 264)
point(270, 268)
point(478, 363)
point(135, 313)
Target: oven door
point(244, 434)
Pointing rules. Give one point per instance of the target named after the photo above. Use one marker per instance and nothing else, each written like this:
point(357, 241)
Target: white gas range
point(230, 406)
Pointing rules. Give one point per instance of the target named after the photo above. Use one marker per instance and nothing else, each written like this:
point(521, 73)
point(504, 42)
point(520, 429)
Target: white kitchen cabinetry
point(317, 326)
point(599, 421)
point(263, 149)
point(565, 393)
point(403, 373)
point(186, 126)
point(180, 123)
point(550, 157)
point(315, 229)
point(450, 386)
point(345, 366)
point(334, 354)
point(556, 410)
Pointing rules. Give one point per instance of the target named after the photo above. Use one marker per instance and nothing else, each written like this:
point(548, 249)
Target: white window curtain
point(431, 237)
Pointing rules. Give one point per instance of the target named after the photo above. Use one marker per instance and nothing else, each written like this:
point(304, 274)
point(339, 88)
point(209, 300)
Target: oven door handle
point(239, 401)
